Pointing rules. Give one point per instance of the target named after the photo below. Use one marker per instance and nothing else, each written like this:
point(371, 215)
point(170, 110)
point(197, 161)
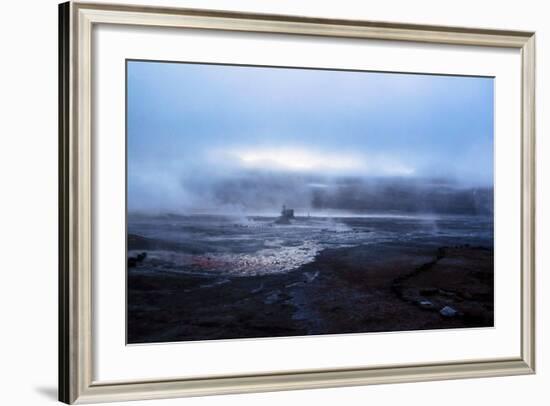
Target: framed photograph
point(254, 202)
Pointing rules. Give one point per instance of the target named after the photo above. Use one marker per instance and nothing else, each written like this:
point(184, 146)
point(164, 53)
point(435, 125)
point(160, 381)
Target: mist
point(246, 140)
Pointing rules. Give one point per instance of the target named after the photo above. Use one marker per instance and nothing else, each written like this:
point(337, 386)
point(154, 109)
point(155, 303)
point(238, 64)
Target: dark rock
point(428, 291)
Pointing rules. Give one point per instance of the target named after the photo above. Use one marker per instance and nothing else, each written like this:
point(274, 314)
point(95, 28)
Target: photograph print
point(282, 202)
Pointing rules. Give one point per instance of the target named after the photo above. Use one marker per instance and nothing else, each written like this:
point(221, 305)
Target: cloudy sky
point(192, 127)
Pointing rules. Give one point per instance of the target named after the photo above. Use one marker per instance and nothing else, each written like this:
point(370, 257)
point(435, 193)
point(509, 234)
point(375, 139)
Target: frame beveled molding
point(76, 21)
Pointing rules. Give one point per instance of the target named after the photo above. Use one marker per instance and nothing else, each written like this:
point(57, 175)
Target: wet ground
point(249, 279)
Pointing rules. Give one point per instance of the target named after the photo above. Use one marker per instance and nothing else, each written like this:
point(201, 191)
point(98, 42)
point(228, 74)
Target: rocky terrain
point(395, 287)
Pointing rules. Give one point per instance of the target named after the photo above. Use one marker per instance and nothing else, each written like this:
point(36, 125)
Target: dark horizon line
point(306, 212)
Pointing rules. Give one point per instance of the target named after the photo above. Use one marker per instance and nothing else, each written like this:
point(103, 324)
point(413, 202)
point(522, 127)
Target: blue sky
point(194, 121)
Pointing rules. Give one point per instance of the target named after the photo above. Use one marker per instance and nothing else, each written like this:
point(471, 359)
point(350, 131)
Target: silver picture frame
point(76, 383)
